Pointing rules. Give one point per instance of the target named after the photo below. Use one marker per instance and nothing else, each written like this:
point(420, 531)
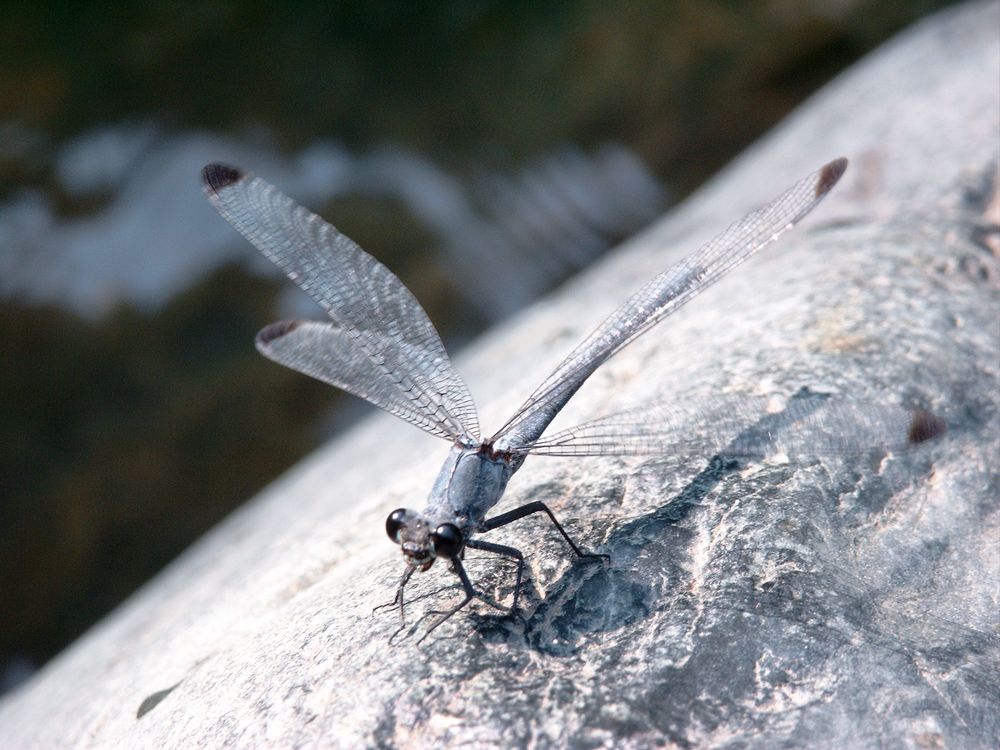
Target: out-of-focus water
point(505, 238)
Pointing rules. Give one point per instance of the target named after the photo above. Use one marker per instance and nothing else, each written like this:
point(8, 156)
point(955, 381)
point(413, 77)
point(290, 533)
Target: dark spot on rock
point(979, 192)
point(925, 426)
point(153, 700)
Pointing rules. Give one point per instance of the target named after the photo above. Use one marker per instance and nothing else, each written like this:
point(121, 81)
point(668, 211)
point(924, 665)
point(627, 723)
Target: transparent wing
point(664, 295)
point(408, 371)
point(808, 425)
point(328, 353)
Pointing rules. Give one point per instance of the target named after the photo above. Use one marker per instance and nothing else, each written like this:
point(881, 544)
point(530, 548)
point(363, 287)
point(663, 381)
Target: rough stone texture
point(845, 602)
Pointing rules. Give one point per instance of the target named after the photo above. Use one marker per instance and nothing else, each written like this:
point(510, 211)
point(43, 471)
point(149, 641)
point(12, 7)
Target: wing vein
point(409, 371)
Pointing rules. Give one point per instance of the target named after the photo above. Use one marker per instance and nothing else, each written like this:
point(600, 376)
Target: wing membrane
point(408, 370)
point(663, 296)
point(328, 353)
point(806, 427)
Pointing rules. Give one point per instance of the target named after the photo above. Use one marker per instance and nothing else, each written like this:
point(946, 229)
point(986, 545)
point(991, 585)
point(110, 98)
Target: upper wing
point(808, 425)
point(393, 356)
point(662, 296)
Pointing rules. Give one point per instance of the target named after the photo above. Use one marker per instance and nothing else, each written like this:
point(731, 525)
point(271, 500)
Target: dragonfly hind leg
point(526, 510)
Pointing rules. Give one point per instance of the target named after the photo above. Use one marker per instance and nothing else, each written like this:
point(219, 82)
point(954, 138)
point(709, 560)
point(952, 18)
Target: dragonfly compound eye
point(447, 540)
point(394, 523)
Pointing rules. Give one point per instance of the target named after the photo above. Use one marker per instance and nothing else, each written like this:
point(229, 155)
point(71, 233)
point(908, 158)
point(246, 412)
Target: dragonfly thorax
point(469, 483)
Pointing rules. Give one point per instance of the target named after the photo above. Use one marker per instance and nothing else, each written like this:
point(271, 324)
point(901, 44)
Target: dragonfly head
point(421, 544)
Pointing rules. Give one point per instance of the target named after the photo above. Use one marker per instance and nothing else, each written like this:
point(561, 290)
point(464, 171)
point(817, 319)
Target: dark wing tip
point(217, 176)
point(830, 175)
point(275, 331)
point(925, 426)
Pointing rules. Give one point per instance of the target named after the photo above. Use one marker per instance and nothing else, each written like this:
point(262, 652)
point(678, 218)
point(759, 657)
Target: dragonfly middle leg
point(500, 549)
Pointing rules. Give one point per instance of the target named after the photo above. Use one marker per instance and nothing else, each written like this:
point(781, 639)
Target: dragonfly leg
point(537, 507)
point(499, 549)
point(470, 593)
point(398, 600)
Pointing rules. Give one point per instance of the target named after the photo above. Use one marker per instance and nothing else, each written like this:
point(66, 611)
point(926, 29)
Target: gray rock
point(849, 601)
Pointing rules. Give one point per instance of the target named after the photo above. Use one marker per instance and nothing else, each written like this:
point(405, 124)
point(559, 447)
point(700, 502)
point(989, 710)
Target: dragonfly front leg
point(526, 510)
point(470, 593)
point(398, 601)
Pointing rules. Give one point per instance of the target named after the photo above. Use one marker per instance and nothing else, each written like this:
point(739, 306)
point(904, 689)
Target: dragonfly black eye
point(394, 523)
point(447, 540)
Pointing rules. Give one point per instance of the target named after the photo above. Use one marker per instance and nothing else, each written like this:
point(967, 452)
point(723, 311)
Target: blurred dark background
point(443, 136)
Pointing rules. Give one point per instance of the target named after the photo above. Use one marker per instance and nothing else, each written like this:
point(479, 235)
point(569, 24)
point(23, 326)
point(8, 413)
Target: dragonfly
point(381, 346)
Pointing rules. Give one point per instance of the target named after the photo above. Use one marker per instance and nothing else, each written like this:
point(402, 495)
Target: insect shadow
point(588, 598)
point(650, 559)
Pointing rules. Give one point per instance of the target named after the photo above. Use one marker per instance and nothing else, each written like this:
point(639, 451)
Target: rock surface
point(849, 601)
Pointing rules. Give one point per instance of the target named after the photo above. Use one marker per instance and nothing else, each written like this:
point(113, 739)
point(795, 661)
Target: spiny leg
point(419, 597)
point(398, 600)
point(470, 592)
point(537, 507)
point(499, 549)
